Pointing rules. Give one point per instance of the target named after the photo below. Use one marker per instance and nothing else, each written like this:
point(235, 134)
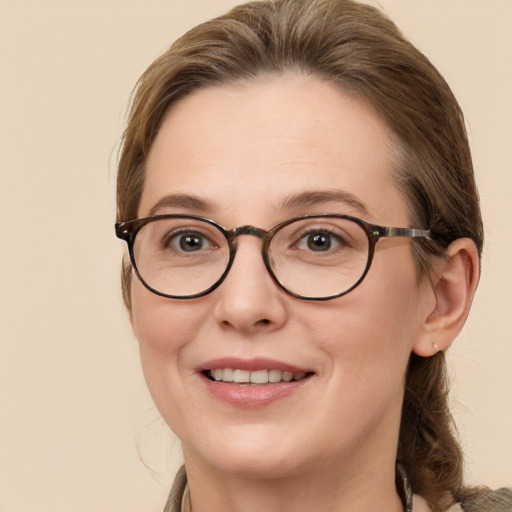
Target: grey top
point(490, 501)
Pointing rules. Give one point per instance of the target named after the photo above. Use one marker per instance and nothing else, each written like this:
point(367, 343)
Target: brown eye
point(319, 241)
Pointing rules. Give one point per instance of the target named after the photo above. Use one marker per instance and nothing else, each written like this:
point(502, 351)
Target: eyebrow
point(298, 201)
point(186, 201)
point(312, 198)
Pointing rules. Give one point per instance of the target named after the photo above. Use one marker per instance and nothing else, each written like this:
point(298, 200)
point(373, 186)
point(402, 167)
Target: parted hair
point(359, 49)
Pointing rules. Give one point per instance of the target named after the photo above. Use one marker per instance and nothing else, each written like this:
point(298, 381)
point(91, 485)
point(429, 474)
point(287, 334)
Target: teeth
point(256, 377)
point(259, 377)
point(227, 375)
point(240, 375)
point(275, 375)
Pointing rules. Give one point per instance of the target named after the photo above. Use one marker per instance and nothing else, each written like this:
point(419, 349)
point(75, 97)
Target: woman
point(308, 372)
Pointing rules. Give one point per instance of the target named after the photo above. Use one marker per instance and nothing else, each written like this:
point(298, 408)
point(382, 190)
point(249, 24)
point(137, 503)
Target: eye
point(188, 242)
point(319, 241)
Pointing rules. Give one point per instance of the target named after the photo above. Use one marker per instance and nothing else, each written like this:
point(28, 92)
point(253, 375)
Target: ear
point(453, 284)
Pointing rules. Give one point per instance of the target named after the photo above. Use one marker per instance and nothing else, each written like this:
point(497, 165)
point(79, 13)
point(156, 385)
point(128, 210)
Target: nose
point(249, 300)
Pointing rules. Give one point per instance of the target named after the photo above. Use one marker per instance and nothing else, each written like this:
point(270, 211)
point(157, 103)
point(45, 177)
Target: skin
point(244, 149)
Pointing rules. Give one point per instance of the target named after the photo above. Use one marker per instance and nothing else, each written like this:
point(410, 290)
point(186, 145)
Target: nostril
point(265, 321)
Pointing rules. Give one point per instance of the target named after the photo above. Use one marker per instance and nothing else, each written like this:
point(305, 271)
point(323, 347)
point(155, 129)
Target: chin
point(259, 467)
point(251, 456)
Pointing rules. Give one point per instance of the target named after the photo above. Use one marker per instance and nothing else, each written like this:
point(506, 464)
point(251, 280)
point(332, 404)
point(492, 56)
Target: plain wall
point(75, 416)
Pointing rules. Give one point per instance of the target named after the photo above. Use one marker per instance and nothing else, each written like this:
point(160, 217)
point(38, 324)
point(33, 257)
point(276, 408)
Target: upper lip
point(252, 364)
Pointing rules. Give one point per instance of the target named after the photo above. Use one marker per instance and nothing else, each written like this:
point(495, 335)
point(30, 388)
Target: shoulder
point(479, 499)
point(483, 499)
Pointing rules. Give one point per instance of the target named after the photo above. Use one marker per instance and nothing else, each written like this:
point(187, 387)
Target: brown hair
point(358, 48)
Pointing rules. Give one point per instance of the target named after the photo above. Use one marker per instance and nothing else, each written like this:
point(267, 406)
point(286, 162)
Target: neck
point(330, 490)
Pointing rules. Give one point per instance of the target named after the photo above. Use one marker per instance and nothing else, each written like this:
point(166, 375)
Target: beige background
point(74, 411)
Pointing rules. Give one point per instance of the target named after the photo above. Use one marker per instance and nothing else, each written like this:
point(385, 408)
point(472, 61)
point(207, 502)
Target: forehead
point(248, 147)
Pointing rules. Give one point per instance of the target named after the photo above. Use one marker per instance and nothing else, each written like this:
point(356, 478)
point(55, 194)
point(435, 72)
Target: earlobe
point(454, 283)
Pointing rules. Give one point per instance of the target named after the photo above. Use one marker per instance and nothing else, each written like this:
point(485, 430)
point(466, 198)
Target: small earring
point(436, 348)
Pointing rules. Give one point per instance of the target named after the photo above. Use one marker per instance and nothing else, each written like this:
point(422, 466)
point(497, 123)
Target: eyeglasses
point(312, 257)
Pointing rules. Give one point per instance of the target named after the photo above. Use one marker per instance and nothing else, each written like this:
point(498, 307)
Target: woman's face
point(259, 154)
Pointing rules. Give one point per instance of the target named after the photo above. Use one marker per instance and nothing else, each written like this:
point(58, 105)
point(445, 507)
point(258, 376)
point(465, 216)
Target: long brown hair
point(359, 49)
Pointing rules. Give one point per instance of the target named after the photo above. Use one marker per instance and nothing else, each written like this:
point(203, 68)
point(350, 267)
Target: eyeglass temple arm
point(381, 231)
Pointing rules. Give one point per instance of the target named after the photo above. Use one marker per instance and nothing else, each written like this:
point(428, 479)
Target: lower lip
point(249, 396)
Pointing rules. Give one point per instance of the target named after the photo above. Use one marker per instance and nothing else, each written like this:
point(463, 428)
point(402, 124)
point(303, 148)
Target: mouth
point(255, 382)
point(257, 377)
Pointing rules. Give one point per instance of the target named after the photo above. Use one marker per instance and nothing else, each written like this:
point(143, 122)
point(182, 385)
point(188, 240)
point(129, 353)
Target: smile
point(253, 377)
point(255, 382)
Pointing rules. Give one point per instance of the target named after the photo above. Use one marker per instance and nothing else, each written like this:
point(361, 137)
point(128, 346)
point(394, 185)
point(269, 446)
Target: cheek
point(162, 325)
point(370, 332)
point(164, 329)
point(393, 306)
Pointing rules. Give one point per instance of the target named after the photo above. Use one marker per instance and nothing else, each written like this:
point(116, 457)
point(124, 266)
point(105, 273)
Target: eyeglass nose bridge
point(248, 230)
point(260, 233)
